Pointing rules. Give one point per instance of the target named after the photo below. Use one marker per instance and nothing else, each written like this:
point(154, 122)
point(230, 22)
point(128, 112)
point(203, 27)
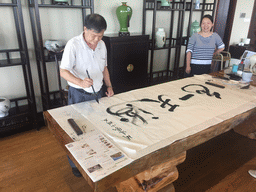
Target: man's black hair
point(95, 22)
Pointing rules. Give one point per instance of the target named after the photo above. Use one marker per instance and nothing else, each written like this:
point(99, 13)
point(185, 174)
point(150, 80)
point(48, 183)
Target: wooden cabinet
point(127, 61)
point(236, 51)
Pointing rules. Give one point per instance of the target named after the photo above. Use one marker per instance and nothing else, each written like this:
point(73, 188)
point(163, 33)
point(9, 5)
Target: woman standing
point(201, 48)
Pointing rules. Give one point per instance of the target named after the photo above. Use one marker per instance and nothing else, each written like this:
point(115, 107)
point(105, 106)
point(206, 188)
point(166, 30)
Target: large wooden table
point(155, 171)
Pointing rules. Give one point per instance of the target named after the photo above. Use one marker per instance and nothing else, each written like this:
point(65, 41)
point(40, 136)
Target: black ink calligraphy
point(205, 90)
point(129, 112)
point(186, 97)
point(118, 129)
point(166, 102)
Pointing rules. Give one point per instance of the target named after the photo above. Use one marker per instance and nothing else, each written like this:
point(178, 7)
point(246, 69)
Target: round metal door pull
point(130, 68)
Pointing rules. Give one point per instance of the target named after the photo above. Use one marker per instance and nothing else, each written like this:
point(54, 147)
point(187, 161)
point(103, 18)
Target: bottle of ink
point(241, 66)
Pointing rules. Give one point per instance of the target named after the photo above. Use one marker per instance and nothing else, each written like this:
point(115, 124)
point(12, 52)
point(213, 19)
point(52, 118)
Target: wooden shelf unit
point(56, 98)
point(174, 42)
point(23, 109)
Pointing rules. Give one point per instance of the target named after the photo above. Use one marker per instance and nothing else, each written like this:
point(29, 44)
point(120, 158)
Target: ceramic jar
point(124, 14)
point(160, 37)
point(195, 28)
point(247, 76)
point(5, 105)
point(165, 3)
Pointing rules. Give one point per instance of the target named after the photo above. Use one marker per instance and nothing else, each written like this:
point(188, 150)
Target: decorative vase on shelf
point(165, 3)
point(195, 28)
point(5, 105)
point(160, 37)
point(124, 14)
point(197, 4)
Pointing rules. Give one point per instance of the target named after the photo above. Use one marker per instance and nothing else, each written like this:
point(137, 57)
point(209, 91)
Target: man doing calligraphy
point(83, 55)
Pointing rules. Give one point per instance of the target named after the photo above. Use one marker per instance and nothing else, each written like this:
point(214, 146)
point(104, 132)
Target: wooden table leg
point(154, 179)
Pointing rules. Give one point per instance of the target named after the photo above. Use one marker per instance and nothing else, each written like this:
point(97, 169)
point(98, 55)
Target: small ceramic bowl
point(5, 105)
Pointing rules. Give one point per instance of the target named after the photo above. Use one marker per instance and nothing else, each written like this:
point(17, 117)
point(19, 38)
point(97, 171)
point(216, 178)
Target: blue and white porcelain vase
point(197, 4)
point(165, 3)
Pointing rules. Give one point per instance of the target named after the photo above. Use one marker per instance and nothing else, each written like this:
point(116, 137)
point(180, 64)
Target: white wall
point(241, 25)
point(66, 23)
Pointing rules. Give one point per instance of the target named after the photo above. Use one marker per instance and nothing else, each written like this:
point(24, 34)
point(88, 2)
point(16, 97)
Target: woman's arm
point(220, 46)
point(218, 51)
point(190, 48)
point(188, 59)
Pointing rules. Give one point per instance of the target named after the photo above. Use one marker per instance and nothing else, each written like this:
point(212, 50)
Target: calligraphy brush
point(96, 97)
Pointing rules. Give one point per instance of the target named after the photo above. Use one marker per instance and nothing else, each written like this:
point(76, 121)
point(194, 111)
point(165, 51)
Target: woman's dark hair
point(207, 16)
point(95, 22)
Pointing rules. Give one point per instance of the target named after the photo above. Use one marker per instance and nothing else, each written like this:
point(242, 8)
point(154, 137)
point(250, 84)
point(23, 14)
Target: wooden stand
point(154, 179)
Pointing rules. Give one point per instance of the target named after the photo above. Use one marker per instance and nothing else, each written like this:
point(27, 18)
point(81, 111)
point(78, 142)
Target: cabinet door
point(127, 64)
